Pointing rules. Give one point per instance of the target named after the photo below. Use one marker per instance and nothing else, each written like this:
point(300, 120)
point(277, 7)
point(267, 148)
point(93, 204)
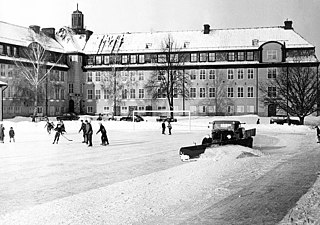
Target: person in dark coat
point(83, 129)
point(169, 127)
point(1, 133)
point(11, 134)
point(318, 134)
point(104, 137)
point(89, 132)
point(258, 121)
point(163, 127)
point(59, 131)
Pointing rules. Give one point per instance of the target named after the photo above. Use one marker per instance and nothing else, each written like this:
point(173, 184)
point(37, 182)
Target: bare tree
point(169, 80)
point(294, 90)
point(32, 72)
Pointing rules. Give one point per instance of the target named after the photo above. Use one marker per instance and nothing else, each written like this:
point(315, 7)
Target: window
point(2, 70)
point(57, 93)
point(105, 94)
point(212, 92)
point(89, 109)
point(203, 57)
point(141, 58)
point(250, 73)
point(62, 94)
point(230, 74)
point(106, 109)
point(133, 59)
point(98, 59)
point(272, 73)
point(15, 52)
point(194, 57)
point(193, 93)
point(240, 92)
point(141, 93)
point(240, 74)
point(271, 54)
point(62, 76)
point(212, 74)
point(98, 76)
point(212, 57)
point(193, 75)
point(240, 56)
point(231, 56)
point(70, 88)
point(250, 56)
point(9, 53)
point(250, 92)
point(124, 94)
point(10, 69)
point(1, 50)
point(10, 92)
point(124, 59)
point(202, 74)
point(106, 59)
point(230, 92)
point(141, 75)
point(272, 92)
point(132, 93)
point(174, 58)
point(162, 58)
point(230, 108)
point(89, 94)
point(250, 108)
point(240, 108)
point(133, 75)
point(161, 94)
point(98, 94)
point(89, 76)
point(90, 59)
point(202, 92)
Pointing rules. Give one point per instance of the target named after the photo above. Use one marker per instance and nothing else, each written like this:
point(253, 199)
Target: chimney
point(255, 42)
point(206, 28)
point(50, 32)
point(88, 34)
point(35, 28)
point(288, 25)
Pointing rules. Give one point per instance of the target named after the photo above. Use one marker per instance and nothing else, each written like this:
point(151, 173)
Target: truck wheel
point(206, 141)
point(250, 142)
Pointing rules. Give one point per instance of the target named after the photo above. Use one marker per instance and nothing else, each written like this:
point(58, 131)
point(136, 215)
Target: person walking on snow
point(1, 133)
point(89, 132)
point(163, 128)
point(318, 134)
point(169, 127)
point(83, 129)
point(11, 134)
point(104, 137)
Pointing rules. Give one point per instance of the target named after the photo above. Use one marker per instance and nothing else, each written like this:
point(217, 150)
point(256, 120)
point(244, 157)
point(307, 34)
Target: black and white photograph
point(167, 112)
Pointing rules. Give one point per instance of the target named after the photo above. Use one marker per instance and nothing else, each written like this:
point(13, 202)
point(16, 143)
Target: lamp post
point(3, 86)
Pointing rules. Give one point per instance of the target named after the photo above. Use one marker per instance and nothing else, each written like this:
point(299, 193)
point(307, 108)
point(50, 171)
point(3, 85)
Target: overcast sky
point(106, 16)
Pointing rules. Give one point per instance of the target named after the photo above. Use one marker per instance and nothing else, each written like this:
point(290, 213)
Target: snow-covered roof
point(23, 36)
point(217, 39)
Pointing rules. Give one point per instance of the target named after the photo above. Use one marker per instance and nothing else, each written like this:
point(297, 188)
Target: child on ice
point(11, 134)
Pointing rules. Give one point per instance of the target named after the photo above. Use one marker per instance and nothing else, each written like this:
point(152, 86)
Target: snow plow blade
point(193, 151)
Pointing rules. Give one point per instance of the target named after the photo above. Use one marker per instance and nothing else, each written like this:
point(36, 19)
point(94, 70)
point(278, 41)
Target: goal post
point(134, 112)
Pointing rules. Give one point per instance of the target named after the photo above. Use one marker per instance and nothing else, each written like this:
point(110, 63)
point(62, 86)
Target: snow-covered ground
point(159, 196)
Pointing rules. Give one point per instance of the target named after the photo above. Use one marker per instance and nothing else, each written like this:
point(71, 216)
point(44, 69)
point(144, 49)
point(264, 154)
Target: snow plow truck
point(223, 132)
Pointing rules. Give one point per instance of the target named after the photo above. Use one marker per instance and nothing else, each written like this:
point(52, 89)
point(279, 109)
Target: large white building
point(237, 60)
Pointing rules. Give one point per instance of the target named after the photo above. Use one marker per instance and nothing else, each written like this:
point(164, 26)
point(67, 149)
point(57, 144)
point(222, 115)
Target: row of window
point(173, 57)
point(58, 94)
point(203, 93)
point(9, 50)
point(203, 74)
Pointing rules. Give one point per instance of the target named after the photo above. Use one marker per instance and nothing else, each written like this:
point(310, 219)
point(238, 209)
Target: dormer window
point(271, 54)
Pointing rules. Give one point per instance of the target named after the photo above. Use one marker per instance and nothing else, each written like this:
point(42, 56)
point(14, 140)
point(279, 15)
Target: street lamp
point(3, 86)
